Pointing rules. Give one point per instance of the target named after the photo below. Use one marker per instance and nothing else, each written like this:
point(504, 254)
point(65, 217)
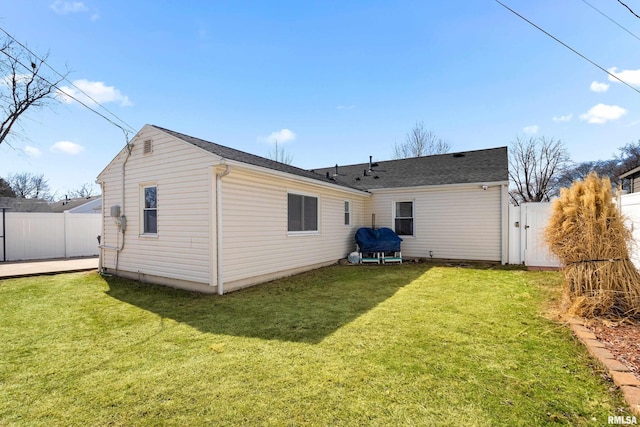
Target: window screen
point(303, 213)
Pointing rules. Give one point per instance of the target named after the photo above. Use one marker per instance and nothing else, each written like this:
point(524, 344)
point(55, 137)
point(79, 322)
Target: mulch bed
point(621, 339)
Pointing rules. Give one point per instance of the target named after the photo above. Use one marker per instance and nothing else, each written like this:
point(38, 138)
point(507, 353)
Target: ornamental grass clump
point(586, 231)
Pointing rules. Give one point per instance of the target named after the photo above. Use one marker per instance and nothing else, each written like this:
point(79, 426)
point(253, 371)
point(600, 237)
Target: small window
point(347, 213)
point(303, 213)
point(150, 210)
point(403, 218)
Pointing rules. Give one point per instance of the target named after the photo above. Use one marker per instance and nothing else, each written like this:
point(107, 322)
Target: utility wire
point(126, 131)
point(567, 46)
point(70, 82)
point(610, 19)
point(632, 12)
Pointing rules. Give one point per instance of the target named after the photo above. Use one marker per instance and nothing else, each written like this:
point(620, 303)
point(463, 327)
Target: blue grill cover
point(380, 240)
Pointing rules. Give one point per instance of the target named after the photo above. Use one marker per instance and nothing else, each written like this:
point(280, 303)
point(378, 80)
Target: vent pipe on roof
point(336, 174)
point(370, 161)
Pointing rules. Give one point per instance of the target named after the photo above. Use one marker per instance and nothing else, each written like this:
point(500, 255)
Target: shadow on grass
point(302, 308)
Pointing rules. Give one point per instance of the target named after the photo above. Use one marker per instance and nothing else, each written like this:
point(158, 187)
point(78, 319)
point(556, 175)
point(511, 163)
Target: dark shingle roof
point(251, 159)
point(68, 204)
point(490, 165)
point(18, 204)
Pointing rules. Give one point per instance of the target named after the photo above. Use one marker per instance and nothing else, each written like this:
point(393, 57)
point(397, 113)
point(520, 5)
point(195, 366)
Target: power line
point(567, 46)
point(63, 77)
point(610, 19)
point(126, 131)
point(632, 12)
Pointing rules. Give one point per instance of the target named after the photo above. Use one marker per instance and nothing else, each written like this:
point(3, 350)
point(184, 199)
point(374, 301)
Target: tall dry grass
point(586, 231)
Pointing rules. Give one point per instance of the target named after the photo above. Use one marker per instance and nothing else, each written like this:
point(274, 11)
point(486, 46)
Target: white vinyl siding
point(181, 251)
point(455, 222)
point(263, 245)
point(255, 238)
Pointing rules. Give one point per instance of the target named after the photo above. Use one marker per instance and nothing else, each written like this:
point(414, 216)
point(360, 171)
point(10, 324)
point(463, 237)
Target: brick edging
point(619, 373)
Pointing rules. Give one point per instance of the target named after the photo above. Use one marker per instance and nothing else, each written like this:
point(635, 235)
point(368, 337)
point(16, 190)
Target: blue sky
point(333, 81)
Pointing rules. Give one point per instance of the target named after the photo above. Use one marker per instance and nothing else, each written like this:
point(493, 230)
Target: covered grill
point(378, 245)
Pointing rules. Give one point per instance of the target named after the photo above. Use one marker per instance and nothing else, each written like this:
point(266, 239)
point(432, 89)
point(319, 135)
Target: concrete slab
point(35, 268)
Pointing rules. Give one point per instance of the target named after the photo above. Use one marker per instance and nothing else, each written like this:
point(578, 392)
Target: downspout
point(219, 260)
point(119, 247)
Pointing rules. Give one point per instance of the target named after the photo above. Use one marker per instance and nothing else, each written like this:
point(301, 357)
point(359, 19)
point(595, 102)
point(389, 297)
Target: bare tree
point(30, 186)
point(23, 84)
point(420, 142)
point(279, 154)
point(85, 190)
point(5, 189)
point(535, 166)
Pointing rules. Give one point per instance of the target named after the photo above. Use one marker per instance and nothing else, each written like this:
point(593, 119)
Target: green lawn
point(375, 345)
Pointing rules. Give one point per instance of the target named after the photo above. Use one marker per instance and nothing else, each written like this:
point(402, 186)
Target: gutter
point(219, 246)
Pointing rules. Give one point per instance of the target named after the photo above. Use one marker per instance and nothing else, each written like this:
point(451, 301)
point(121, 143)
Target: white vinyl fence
point(49, 235)
point(526, 242)
point(527, 223)
point(630, 208)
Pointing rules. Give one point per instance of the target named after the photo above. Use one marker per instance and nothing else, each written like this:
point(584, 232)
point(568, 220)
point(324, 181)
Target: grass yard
point(389, 345)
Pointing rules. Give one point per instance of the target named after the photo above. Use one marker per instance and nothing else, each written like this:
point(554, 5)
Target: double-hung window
point(347, 213)
point(302, 213)
point(150, 210)
point(403, 218)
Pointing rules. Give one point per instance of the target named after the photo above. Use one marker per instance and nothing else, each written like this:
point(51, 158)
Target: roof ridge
point(253, 159)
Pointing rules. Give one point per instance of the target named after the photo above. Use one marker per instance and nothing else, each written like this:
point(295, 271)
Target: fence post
point(66, 231)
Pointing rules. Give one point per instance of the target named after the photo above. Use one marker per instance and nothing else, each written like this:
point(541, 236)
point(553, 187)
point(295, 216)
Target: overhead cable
point(610, 19)
point(70, 82)
point(568, 47)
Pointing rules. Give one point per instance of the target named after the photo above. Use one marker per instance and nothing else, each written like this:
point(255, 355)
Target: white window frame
point(318, 216)
point(413, 217)
point(143, 209)
point(347, 213)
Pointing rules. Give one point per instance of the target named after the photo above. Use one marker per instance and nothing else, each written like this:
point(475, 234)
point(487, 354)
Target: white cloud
point(531, 129)
point(281, 136)
point(32, 151)
point(566, 118)
point(629, 76)
point(601, 113)
point(346, 107)
point(67, 147)
point(65, 7)
point(599, 87)
point(96, 90)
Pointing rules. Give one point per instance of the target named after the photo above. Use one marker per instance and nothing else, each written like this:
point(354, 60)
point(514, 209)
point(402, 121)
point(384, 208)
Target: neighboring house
point(19, 204)
point(633, 176)
point(188, 213)
point(92, 204)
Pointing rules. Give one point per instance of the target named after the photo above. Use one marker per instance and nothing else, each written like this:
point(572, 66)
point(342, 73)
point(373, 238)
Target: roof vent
point(148, 148)
point(458, 155)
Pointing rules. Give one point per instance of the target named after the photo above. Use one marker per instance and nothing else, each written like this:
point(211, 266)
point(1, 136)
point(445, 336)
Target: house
point(20, 204)
point(91, 204)
point(633, 177)
point(189, 213)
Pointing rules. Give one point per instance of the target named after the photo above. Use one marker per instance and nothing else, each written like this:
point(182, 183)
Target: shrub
point(586, 231)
